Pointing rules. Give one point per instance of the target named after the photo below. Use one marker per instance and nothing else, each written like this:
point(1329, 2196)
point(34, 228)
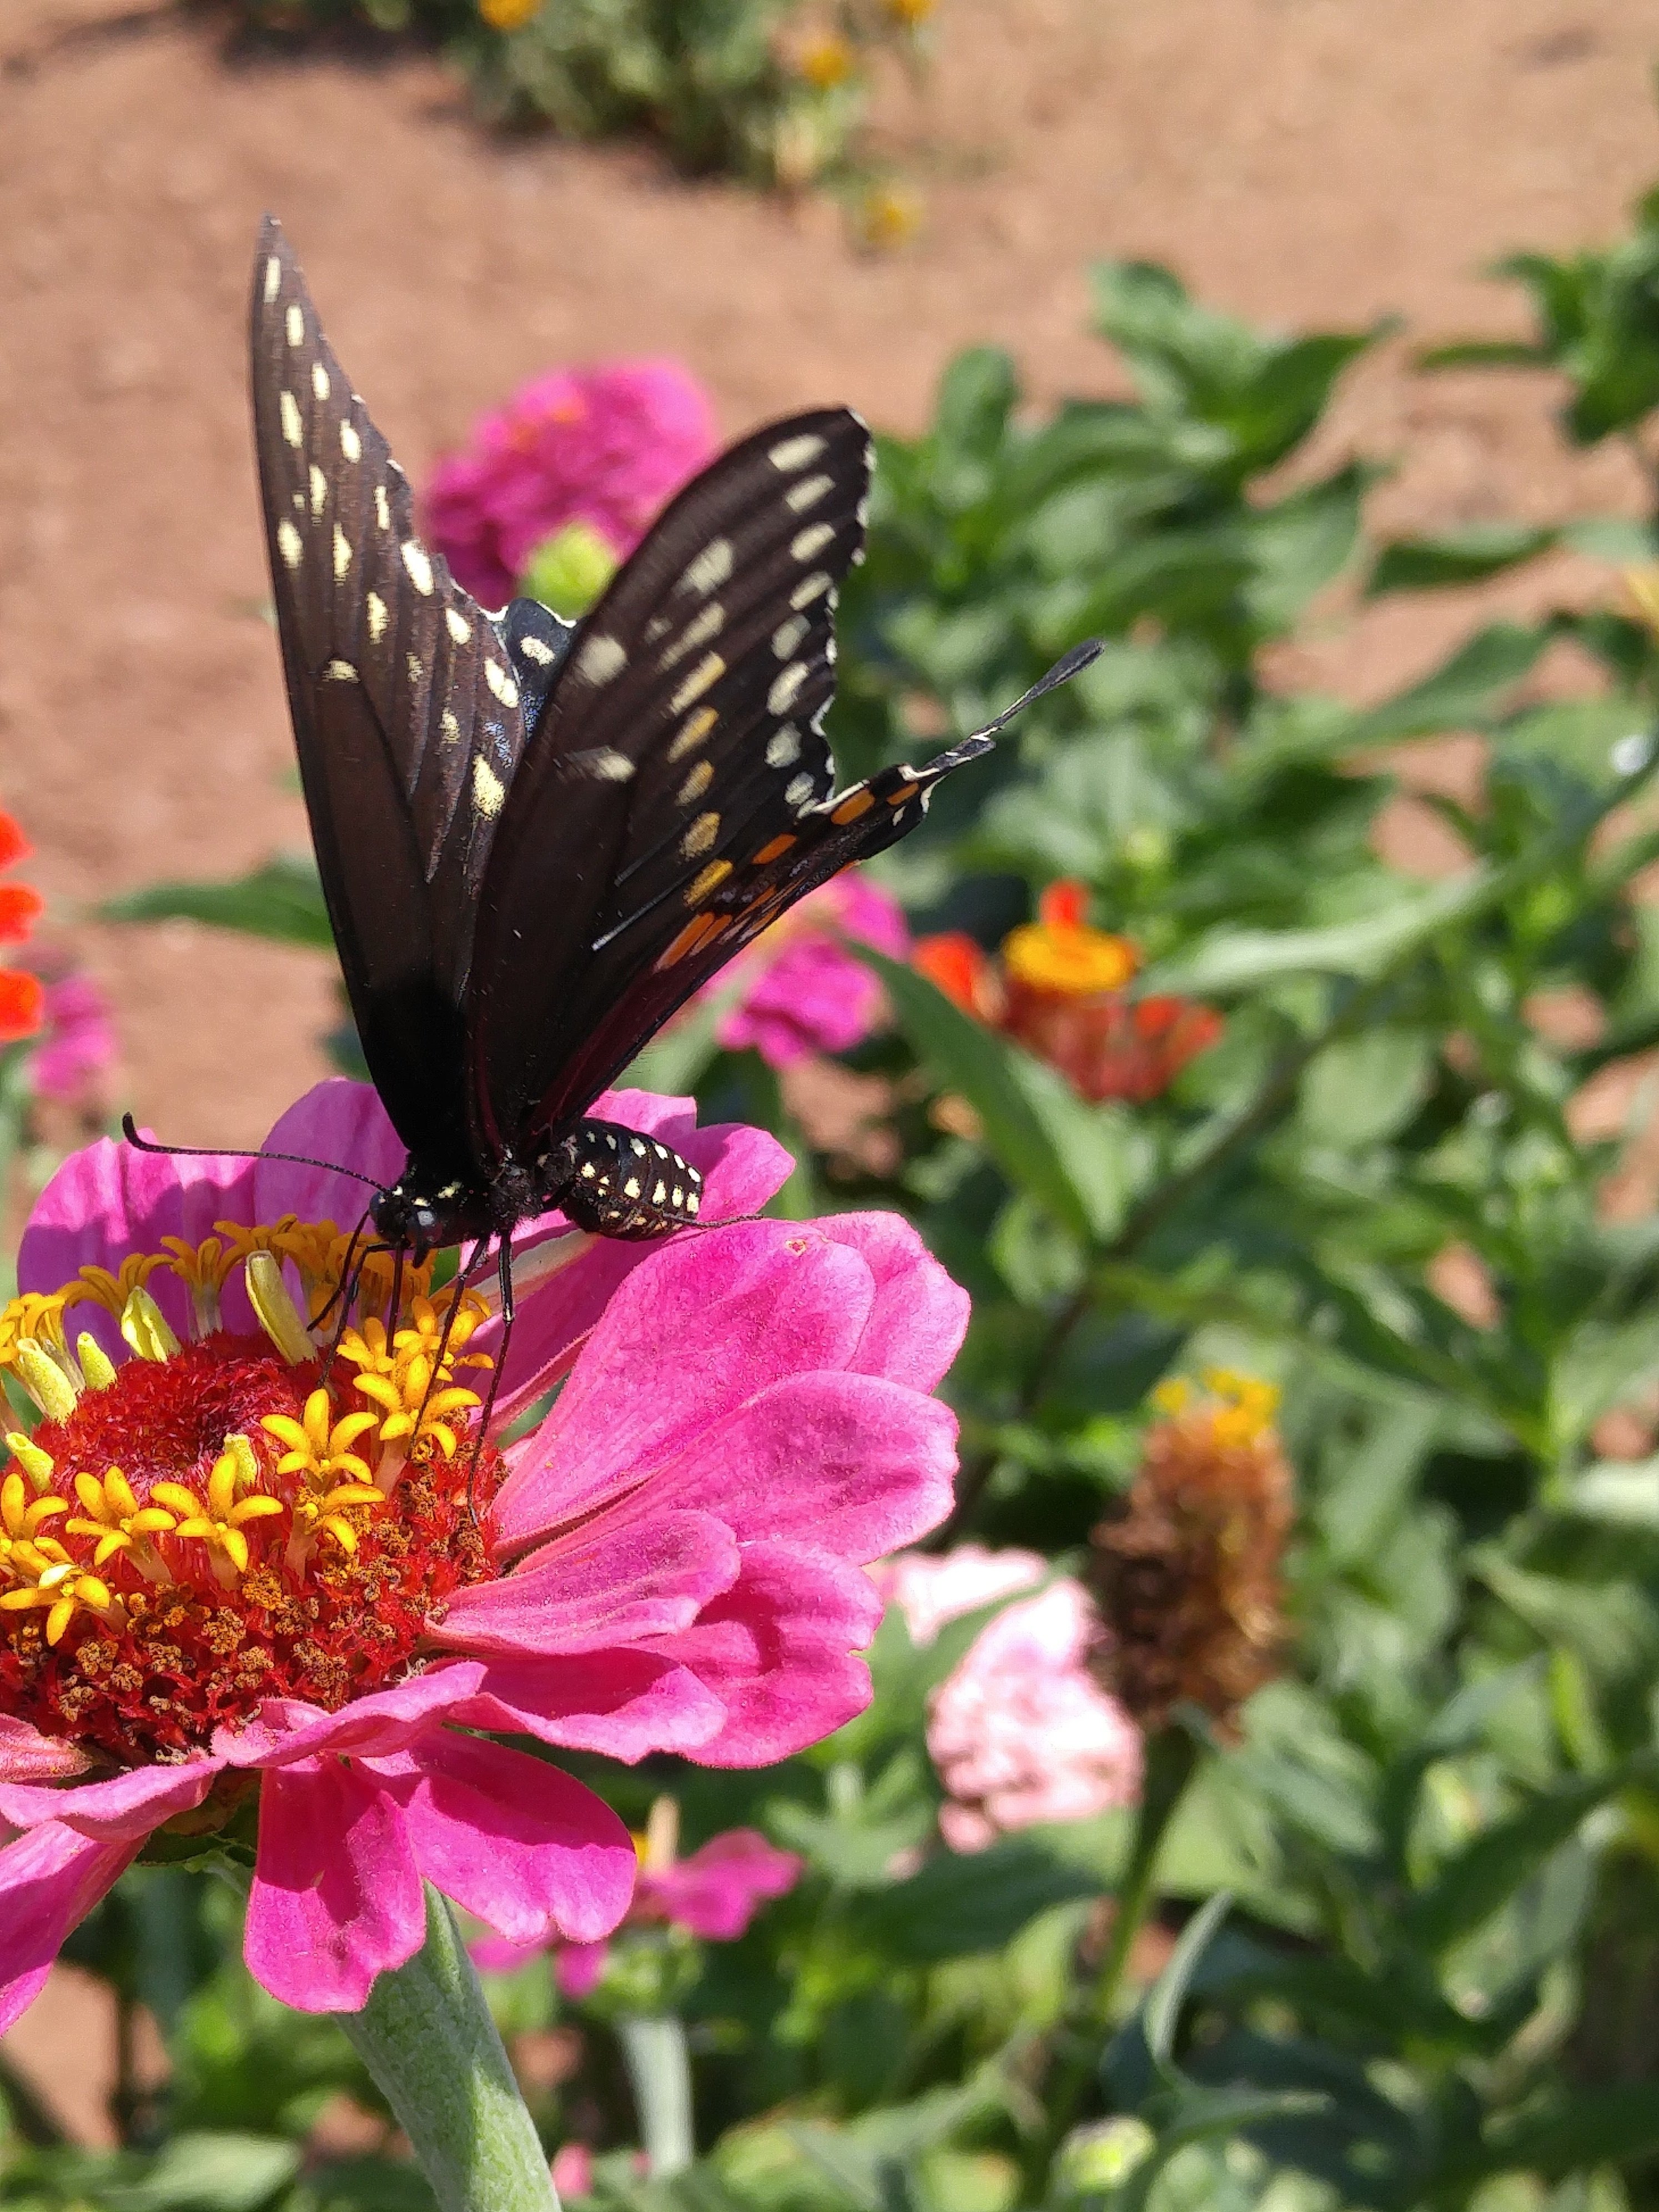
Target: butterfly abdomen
point(622, 1184)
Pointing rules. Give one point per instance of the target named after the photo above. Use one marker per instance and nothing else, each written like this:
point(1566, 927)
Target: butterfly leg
point(504, 1277)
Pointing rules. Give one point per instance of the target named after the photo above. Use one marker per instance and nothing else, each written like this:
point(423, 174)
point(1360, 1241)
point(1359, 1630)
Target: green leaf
point(1623, 1494)
point(282, 900)
point(1456, 557)
point(208, 2173)
point(1479, 1879)
point(1567, 2134)
point(962, 1904)
point(1462, 691)
point(1483, 353)
point(1245, 959)
point(1167, 1994)
point(1083, 1163)
point(1365, 1088)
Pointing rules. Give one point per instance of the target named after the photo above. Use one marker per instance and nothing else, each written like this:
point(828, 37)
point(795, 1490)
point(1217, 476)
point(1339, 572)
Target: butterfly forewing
point(682, 739)
point(406, 700)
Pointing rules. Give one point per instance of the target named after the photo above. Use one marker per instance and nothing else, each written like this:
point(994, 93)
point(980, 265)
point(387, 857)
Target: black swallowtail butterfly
point(536, 840)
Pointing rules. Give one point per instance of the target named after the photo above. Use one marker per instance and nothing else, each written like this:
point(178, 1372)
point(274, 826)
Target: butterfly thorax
point(607, 1178)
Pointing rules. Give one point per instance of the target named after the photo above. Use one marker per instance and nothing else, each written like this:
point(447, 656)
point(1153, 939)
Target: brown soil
point(1300, 161)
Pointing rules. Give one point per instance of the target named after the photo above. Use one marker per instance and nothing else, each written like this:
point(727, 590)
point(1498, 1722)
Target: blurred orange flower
point(1059, 987)
point(22, 996)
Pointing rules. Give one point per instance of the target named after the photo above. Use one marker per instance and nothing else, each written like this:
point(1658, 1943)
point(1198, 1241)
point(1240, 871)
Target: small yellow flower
point(1642, 589)
point(217, 1522)
point(24, 1552)
point(320, 1450)
point(826, 61)
point(508, 14)
point(66, 1589)
point(912, 14)
point(110, 1510)
point(887, 217)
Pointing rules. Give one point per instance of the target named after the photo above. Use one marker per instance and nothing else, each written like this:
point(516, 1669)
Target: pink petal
point(26, 1755)
point(777, 1651)
point(842, 1463)
point(287, 1729)
point(124, 1809)
point(494, 1954)
point(741, 1169)
point(520, 1844)
point(919, 1315)
point(716, 1891)
point(337, 1894)
point(109, 1200)
point(343, 1124)
point(624, 1703)
point(600, 1587)
point(705, 1324)
point(49, 1880)
point(579, 1969)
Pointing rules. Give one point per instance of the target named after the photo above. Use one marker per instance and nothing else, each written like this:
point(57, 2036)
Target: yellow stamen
point(37, 1465)
point(96, 1365)
point(278, 1314)
point(45, 1380)
point(241, 1449)
point(146, 1328)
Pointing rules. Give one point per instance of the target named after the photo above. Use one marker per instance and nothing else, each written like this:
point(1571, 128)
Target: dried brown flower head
point(1186, 1566)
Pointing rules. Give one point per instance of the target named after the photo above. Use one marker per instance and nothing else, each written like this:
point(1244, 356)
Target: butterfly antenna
point(129, 1130)
point(1068, 666)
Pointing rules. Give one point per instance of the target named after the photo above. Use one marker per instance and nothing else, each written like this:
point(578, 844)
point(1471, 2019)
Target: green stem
point(426, 2037)
point(659, 2070)
point(1171, 1761)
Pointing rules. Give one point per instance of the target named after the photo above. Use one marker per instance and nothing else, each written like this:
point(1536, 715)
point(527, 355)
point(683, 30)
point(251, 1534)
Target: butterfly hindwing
point(405, 697)
point(681, 739)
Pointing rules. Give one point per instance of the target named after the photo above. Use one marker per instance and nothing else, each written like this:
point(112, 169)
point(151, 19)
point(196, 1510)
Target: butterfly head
point(421, 1215)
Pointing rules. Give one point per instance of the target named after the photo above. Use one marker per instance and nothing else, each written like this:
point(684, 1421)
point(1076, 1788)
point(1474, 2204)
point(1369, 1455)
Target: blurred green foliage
point(1421, 1972)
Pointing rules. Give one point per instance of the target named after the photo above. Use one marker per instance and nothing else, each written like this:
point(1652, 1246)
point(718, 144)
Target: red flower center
point(235, 1518)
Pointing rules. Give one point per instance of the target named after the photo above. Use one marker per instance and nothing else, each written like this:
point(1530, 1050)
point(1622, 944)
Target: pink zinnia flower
point(229, 1574)
point(715, 1893)
point(1020, 1732)
point(799, 991)
point(77, 1044)
point(607, 445)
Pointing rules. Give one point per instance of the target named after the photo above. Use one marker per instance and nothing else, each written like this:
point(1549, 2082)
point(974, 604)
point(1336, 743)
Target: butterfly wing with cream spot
point(681, 737)
point(406, 702)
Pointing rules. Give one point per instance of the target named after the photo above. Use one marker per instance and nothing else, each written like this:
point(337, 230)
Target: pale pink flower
point(1021, 1732)
point(606, 446)
point(798, 989)
point(672, 1561)
point(933, 1587)
point(715, 1893)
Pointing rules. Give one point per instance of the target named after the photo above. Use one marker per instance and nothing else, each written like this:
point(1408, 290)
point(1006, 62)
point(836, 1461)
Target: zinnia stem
point(1171, 1759)
point(659, 2070)
point(426, 2037)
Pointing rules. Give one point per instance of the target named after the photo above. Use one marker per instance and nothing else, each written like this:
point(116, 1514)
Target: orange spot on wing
point(850, 808)
point(775, 850)
point(905, 791)
point(686, 943)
